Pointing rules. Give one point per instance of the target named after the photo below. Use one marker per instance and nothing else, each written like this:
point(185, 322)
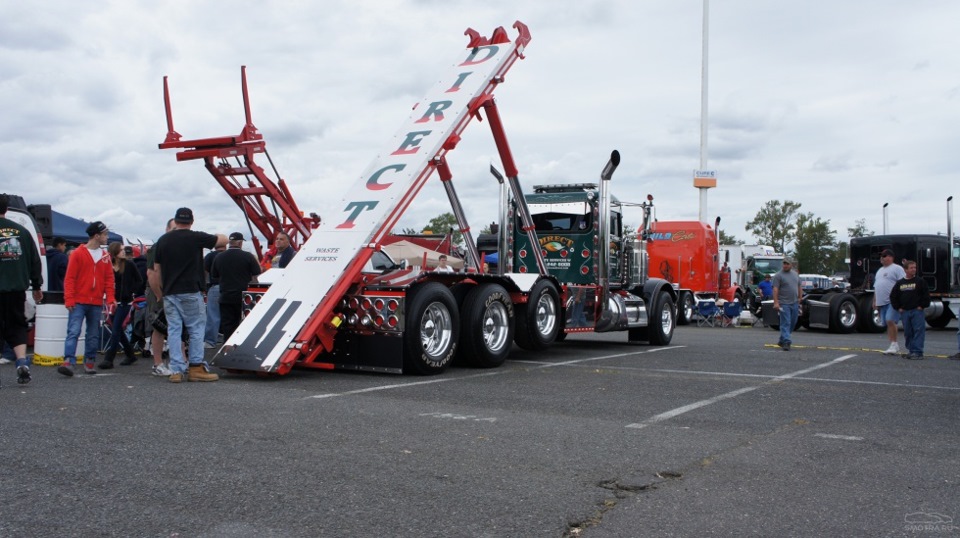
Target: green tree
point(775, 223)
point(445, 223)
point(859, 229)
point(815, 244)
point(839, 259)
point(727, 239)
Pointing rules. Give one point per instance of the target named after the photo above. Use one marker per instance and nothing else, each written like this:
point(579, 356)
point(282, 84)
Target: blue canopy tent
point(74, 230)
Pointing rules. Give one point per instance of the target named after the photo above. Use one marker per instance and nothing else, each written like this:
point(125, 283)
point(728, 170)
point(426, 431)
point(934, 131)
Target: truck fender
point(654, 286)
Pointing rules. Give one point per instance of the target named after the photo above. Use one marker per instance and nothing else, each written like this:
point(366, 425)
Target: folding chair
point(731, 314)
point(707, 313)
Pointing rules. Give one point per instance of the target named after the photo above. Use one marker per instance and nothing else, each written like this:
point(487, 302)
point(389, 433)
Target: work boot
point(176, 377)
point(107, 362)
point(129, 358)
point(199, 372)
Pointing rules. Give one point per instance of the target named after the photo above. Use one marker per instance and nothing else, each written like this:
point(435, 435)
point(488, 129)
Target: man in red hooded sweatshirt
point(88, 284)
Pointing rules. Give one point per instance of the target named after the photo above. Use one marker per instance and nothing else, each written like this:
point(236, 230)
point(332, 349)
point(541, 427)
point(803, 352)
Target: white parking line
point(840, 437)
point(538, 364)
point(703, 403)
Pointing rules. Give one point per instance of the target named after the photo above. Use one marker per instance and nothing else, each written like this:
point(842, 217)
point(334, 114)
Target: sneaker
point(893, 349)
point(177, 377)
point(786, 346)
point(66, 369)
point(913, 357)
point(128, 360)
point(955, 357)
point(88, 369)
point(208, 345)
point(161, 370)
point(23, 374)
point(4, 360)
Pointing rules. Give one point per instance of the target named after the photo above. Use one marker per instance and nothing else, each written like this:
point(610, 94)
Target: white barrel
point(50, 333)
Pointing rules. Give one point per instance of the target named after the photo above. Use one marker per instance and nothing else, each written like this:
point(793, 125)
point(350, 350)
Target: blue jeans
point(914, 330)
point(788, 318)
point(118, 336)
point(80, 313)
point(212, 333)
point(185, 310)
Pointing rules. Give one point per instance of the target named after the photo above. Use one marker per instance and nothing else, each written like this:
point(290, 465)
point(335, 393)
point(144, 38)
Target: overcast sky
point(841, 106)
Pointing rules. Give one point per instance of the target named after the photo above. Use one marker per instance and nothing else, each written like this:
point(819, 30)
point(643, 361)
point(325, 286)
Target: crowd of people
point(192, 301)
point(899, 297)
point(171, 295)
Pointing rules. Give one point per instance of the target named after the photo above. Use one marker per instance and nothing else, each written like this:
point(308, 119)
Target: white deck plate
point(369, 210)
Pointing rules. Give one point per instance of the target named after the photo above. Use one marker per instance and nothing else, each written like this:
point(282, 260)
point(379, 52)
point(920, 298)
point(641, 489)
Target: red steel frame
point(317, 334)
point(268, 206)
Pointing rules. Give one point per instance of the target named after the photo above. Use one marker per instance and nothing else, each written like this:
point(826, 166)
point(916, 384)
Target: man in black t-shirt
point(178, 263)
point(212, 333)
point(235, 268)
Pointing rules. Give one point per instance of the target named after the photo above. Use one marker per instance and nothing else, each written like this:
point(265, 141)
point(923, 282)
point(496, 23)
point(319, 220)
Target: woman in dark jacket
point(127, 281)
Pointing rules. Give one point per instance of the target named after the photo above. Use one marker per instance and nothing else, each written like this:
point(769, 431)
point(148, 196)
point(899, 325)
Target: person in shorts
point(887, 276)
point(20, 269)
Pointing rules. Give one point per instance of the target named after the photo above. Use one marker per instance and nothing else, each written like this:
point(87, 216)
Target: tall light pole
point(885, 217)
point(704, 179)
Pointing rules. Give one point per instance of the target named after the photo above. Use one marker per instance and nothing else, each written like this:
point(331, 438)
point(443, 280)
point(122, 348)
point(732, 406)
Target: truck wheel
point(431, 331)
point(942, 321)
point(869, 317)
point(685, 312)
point(539, 320)
point(662, 323)
point(843, 313)
point(486, 331)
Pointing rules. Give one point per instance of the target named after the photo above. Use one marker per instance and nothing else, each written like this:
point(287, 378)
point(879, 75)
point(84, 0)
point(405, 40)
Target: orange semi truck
point(687, 254)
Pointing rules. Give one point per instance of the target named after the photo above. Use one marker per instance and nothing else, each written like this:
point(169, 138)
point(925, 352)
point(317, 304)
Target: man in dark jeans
point(235, 269)
point(212, 333)
point(910, 296)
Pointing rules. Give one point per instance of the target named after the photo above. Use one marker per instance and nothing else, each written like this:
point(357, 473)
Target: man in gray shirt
point(887, 276)
point(786, 300)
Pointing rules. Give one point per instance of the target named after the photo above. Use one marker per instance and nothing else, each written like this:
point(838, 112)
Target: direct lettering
point(436, 110)
point(412, 143)
point(357, 208)
point(460, 80)
point(373, 183)
point(474, 58)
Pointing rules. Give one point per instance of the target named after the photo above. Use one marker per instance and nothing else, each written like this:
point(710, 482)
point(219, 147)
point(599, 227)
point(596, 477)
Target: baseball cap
point(788, 260)
point(236, 236)
point(95, 228)
point(184, 216)
point(886, 252)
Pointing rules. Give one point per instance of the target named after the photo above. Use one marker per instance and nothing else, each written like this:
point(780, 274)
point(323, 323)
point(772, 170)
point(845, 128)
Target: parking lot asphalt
point(719, 434)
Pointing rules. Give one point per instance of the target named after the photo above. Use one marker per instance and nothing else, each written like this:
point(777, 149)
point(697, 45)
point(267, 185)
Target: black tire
point(486, 329)
point(942, 321)
point(538, 321)
point(869, 317)
point(844, 313)
point(662, 323)
point(685, 309)
point(432, 330)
